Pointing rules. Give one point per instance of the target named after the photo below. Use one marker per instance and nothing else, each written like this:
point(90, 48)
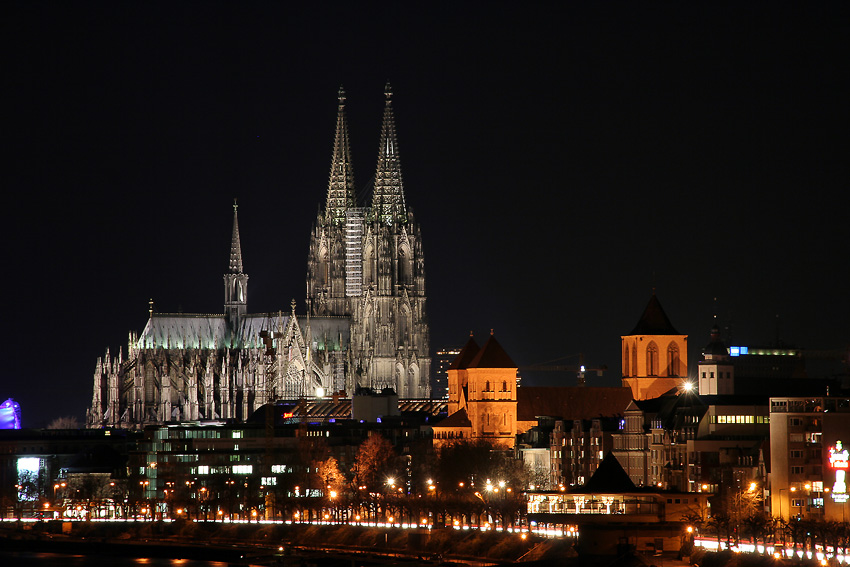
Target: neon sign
point(10, 415)
point(839, 459)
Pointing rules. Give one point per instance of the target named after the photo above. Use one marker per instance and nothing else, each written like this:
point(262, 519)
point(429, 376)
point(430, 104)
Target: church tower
point(482, 396)
point(367, 263)
point(235, 280)
point(654, 354)
point(492, 391)
point(328, 265)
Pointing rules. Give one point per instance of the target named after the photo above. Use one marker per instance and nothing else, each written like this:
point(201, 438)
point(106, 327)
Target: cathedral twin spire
point(341, 183)
point(388, 194)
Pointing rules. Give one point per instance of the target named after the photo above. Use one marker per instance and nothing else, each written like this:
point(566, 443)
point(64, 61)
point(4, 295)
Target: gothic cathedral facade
point(365, 324)
point(366, 263)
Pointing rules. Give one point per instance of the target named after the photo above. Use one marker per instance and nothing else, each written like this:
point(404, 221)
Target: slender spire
point(341, 182)
point(388, 195)
point(235, 246)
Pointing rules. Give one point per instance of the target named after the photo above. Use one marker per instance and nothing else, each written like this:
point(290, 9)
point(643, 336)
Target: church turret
point(235, 280)
point(341, 183)
point(388, 194)
point(716, 371)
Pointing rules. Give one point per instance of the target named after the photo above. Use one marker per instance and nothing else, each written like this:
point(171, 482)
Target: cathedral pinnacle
point(235, 246)
point(388, 196)
point(341, 183)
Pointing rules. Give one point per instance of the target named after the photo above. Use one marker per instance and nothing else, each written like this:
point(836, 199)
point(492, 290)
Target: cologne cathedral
point(365, 324)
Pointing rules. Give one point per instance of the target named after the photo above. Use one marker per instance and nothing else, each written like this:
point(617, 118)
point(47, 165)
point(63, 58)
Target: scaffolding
point(354, 251)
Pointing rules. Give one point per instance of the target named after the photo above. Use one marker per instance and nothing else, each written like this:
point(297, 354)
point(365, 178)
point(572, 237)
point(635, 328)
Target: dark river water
point(36, 559)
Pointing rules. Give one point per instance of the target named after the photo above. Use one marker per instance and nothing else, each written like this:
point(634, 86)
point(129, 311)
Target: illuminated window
point(243, 469)
point(203, 469)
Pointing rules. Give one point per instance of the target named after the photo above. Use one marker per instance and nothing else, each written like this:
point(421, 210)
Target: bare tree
point(64, 422)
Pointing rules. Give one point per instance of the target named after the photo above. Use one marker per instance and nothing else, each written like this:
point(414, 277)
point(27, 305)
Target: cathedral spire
point(235, 280)
point(388, 195)
point(235, 246)
point(341, 182)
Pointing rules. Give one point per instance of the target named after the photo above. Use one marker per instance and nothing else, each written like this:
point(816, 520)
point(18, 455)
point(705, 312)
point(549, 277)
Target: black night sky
point(562, 163)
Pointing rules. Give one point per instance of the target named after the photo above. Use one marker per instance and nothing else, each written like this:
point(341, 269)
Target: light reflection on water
point(35, 559)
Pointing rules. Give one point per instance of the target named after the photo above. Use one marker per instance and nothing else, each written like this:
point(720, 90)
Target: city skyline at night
point(563, 164)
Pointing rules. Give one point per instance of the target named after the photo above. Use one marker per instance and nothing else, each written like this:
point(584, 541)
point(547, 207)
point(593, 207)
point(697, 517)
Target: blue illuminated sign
point(10, 415)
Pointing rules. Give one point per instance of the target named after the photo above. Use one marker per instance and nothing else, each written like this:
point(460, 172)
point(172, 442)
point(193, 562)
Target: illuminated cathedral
point(365, 324)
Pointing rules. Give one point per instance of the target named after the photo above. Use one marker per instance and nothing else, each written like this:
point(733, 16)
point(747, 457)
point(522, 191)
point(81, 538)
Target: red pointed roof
point(467, 353)
point(654, 321)
point(492, 355)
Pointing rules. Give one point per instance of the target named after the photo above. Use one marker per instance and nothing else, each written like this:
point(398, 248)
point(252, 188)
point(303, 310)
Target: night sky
point(561, 162)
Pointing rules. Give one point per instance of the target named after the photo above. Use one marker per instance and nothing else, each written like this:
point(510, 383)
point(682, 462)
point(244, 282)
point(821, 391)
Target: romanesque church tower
point(366, 263)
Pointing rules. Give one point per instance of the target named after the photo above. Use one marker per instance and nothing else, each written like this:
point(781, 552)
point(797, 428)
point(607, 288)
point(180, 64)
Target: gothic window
point(634, 361)
point(504, 385)
point(405, 265)
point(369, 266)
point(673, 360)
point(487, 386)
point(324, 266)
point(652, 359)
point(413, 381)
point(626, 362)
point(403, 324)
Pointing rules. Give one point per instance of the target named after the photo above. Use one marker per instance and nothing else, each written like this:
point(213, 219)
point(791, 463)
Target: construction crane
point(579, 369)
